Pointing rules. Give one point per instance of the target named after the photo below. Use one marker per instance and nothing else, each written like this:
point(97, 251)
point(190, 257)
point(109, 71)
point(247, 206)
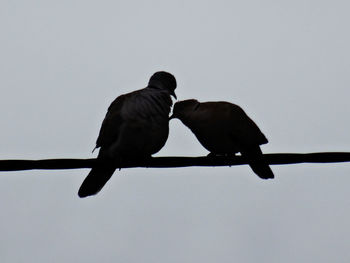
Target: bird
point(223, 128)
point(136, 126)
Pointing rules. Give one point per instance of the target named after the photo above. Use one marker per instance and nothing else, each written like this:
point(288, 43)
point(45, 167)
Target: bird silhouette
point(224, 128)
point(135, 127)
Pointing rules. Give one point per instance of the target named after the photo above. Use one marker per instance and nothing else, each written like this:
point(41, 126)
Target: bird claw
point(94, 149)
point(227, 155)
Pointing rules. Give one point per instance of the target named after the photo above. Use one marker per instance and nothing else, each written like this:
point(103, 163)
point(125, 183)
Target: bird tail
point(257, 162)
point(95, 180)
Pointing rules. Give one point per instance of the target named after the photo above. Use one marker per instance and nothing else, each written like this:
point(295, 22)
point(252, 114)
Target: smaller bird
point(224, 128)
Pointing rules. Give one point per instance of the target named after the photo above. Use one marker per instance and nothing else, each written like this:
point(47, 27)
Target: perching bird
point(135, 127)
point(224, 128)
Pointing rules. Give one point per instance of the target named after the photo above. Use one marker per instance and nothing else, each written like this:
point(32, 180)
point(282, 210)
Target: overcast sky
point(286, 63)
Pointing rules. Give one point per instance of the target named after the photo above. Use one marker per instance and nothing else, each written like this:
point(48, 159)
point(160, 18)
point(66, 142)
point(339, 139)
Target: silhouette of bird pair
point(137, 125)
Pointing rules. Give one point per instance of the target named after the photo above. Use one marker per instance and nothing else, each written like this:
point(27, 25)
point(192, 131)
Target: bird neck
point(156, 84)
point(188, 119)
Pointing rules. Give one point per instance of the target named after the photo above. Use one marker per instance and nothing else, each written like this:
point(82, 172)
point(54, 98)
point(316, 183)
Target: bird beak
point(173, 94)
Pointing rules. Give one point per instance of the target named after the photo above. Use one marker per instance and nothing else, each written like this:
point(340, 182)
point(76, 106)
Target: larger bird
point(224, 128)
point(135, 127)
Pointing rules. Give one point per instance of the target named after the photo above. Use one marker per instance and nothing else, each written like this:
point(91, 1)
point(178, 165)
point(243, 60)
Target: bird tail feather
point(258, 163)
point(95, 180)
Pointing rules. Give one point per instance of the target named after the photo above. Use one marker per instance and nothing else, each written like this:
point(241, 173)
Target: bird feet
point(213, 155)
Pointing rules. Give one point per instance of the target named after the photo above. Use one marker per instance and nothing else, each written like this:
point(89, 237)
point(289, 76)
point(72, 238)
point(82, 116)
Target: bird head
point(164, 80)
point(182, 108)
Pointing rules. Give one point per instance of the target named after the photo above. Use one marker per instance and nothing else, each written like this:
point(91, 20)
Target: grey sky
point(286, 63)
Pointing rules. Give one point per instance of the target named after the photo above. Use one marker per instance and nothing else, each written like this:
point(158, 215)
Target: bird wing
point(138, 107)
point(244, 128)
point(111, 124)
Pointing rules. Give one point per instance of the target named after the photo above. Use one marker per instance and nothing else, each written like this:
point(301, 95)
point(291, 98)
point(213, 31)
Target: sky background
point(286, 63)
